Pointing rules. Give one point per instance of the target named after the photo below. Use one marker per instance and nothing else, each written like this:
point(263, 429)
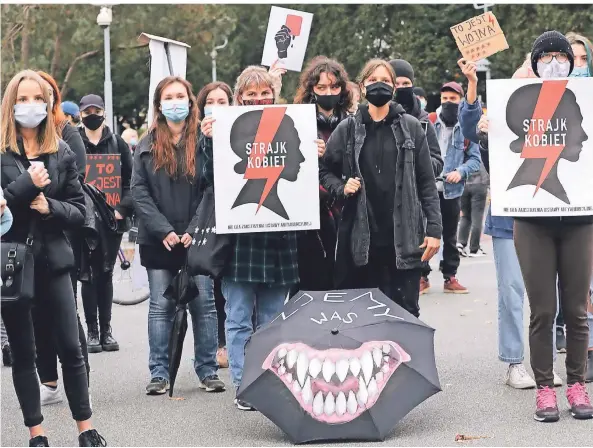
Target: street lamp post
point(214, 54)
point(104, 20)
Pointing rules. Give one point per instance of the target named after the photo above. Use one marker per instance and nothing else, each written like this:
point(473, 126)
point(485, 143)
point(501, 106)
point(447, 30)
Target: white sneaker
point(479, 253)
point(557, 380)
point(518, 378)
point(49, 396)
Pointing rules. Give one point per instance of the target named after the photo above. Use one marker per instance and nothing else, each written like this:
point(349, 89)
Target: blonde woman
point(264, 266)
point(40, 183)
point(389, 190)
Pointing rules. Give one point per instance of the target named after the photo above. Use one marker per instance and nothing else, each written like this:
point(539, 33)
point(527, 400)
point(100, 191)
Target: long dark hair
point(203, 95)
point(163, 148)
point(310, 78)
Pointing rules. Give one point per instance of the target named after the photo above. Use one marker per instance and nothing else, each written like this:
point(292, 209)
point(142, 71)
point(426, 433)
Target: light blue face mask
point(30, 115)
point(580, 72)
point(207, 111)
point(423, 104)
point(175, 110)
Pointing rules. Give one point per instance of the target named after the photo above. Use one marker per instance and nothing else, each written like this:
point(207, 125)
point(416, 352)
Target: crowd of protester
point(394, 181)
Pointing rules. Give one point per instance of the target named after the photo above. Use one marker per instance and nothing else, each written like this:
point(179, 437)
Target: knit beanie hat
point(403, 68)
point(419, 91)
point(551, 41)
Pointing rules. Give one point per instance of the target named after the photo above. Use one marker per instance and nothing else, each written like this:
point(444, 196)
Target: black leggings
point(98, 294)
point(51, 315)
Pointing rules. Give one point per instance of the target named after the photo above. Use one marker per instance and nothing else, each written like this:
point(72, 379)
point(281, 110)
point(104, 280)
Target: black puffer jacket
point(73, 139)
point(416, 209)
point(66, 204)
point(163, 205)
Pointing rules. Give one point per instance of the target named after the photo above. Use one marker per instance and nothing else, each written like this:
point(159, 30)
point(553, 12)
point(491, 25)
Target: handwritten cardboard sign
point(479, 37)
point(104, 172)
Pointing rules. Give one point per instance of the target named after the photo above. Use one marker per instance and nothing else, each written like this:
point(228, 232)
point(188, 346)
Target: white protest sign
point(167, 57)
point(286, 38)
point(266, 173)
point(540, 139)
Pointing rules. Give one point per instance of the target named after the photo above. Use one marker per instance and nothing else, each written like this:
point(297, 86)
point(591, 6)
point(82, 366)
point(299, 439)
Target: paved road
point(474, 400)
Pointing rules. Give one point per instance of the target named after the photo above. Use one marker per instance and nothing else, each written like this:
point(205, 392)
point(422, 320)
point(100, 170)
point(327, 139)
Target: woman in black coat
point(391, 221)
point(41, 187)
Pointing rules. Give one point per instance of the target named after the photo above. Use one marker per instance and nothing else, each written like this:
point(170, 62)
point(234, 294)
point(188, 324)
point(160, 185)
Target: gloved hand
point(283, 40)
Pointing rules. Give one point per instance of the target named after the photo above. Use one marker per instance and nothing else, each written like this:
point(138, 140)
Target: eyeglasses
point(546, 58)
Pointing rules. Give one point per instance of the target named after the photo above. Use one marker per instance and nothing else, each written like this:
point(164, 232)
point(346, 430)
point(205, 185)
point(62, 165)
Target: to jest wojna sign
point(104, 172)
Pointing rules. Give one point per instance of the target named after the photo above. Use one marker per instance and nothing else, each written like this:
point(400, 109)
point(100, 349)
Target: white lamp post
point(104, 19)
point(214, 54)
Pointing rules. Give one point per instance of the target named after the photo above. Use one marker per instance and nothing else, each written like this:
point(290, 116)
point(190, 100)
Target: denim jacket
point(456, 159)
point(469, 116)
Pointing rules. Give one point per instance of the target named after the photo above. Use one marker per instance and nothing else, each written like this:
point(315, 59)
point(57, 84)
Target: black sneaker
point(157, 386)
point(91, 438)
point(243, 405)
point(560, 340)
point(108, 343)
point(589, 373)
point(39, 441)
point(7, 356)
point(93, 344)
point(212, 383)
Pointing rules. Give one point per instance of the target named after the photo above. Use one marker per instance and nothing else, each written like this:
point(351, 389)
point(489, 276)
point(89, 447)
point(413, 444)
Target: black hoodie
point(107, 145)
point(378, 162)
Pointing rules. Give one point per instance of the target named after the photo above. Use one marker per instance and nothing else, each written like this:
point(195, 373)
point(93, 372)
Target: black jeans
point(219, 301)
point(473, 204)
point(401, 286)
point(98, 294)
point(450, 210)
point(51, 315)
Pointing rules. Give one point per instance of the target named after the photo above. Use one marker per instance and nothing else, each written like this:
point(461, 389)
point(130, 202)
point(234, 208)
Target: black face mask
point(449, 113)
point(261, 102)
point(379, 94)
point(405, 96)
point(327, 102)
point(93, 121)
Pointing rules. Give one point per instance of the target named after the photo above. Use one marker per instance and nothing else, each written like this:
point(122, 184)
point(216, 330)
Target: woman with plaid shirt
point(264, 266)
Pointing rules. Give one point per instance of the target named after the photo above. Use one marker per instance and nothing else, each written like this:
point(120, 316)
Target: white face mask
point(553, 70)
point(30, 115)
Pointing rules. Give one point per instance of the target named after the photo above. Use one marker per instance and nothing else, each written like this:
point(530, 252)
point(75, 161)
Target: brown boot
point(424, 285)
point(452, 286)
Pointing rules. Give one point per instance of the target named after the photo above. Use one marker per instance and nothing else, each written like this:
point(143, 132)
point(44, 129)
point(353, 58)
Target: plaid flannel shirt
point(268, 257)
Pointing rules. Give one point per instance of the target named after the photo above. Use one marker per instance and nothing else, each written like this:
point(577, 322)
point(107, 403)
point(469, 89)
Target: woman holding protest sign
point(551, 248)
point(97, 295)
point(41, 186)
point(215, 94)
point(167, 192)
point(389, 191)
point(47, 365)
point(264, 266)
point(324, 82)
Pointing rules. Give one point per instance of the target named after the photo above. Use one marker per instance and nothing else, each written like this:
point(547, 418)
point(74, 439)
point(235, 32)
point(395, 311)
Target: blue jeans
point(160, 322)
point(241, 300)
point(511, 295)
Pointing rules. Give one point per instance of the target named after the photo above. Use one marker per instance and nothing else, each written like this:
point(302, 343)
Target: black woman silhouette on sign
point(281, 157)
point(549, 102)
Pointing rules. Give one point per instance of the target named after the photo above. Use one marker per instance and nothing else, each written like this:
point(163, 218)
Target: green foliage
point(351, 33)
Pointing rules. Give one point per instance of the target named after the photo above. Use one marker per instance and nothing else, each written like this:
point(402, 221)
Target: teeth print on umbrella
point(335, 386)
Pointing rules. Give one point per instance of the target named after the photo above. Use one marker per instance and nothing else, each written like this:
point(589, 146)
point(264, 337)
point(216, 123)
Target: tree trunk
point(55, 61)
point(71, 69)
point(25, 39)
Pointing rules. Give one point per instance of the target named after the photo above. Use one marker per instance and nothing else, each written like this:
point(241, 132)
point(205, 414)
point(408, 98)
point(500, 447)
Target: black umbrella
point(340, 365)
point(182, 290)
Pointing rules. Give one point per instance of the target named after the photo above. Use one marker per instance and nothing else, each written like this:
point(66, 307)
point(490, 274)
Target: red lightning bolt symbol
point(547, 102)
point(266, 131)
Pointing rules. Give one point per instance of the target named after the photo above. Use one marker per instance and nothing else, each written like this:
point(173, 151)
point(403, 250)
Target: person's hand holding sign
point(171, 240)
point(352, 186)
point(470, 70)
point(186, 240)
point(431, 246)
point(39, 175)
point(483, 124)
point(320, 148)
point(206, 126)
point(276, 71)
point(454, 177)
